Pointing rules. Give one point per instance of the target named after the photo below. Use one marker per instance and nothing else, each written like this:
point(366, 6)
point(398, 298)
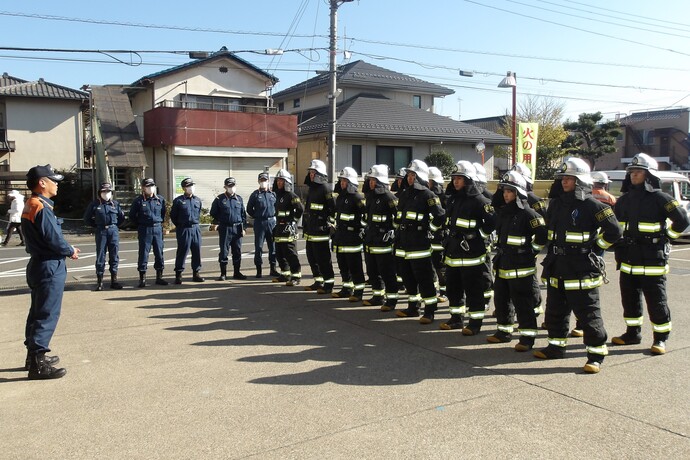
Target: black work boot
point(178, 277)
point(550, 352)
point(142, 279)
point(343, 293)
point(375, 301)
point(500, 337)
point(40, 369)
point(274, 272)
point(327, 288)
point(315, 286)
point(52, 360)
point(389, 305)
point(99, 282)
point(223, 272)
point(280, 279)
point(455, 322)
point(525, 344)
point(113, 282)
point(197, 278)
point(428, 316)
point(258, 271)
point(159, 278)
point(412, 310)
point(356, 295)
point(473, 327)
point(632, 336)
point(238, 274)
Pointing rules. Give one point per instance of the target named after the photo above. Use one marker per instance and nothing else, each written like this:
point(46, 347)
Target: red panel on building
point(208, 128)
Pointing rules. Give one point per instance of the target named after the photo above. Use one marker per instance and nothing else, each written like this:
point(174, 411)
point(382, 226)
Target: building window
point(296, 103)
point(394, 157)
point(357, 158)
point(281, 106)
point(417, 101)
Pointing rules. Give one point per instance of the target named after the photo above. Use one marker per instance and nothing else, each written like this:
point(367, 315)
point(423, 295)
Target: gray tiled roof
point(364, 75)
point(669, 114)
point(370, 115)
point(120, 134)
point(222, 53)
point(15, 87)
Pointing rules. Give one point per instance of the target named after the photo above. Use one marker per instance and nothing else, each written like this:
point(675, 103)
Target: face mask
point(189, 190)
point(150, 190)
point(106, 196)
point(230, 190)
point(263, 185)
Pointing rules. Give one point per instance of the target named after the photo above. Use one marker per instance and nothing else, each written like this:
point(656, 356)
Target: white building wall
point(44, 131)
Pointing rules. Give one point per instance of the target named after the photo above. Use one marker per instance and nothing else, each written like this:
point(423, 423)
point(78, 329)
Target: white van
point(676, 185)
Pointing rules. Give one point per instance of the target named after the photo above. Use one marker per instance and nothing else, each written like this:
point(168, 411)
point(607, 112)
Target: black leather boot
point(142, 279)
point(159, 278)
point(197, 278)
point(274, 272)
point(238, 274)
point(52, 360)
point(113, 282)
point(178, 277)
point(40, 369)
point(258, 271)
point(223, 272)
point(99, 282)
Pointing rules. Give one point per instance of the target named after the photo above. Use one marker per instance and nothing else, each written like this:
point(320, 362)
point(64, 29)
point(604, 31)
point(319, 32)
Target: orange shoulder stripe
point(32, 207)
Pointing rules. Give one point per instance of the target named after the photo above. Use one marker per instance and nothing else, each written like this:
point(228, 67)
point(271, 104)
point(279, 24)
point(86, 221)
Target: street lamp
point(510, 82)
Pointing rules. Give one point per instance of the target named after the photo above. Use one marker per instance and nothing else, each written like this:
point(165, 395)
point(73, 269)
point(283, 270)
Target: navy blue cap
point(230, 181)
point(187, 182)
point(44, 171)
point(148, 182)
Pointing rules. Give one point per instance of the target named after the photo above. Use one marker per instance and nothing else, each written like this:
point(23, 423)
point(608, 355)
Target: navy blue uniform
point(228, 211)
point(46, 272)
point(105, 217)
point(262, 207)
point(149, 213)
point(184, 214)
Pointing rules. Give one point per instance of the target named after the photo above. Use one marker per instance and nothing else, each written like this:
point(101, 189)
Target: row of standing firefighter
point(439, 243)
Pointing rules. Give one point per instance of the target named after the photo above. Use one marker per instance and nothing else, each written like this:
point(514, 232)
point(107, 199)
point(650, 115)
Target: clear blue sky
point(617, 55)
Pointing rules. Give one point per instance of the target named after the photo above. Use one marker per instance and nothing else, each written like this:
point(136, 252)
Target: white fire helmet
point(481, 173)
point(466, 169)
point(285, 175)
point(436, 175)
point(318, 166)
point(350, 174)
point(420, 169)
point(514, 181)
point(576, 167)
point(524, 170)
point(379, 172)
point(599, 177)
point(643, 161)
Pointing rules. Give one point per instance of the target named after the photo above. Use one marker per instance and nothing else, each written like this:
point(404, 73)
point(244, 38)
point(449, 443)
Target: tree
point(442, 160)
point(589, 138)
point(548, 113)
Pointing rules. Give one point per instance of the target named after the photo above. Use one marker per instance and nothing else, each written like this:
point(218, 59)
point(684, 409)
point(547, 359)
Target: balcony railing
point(194, 105)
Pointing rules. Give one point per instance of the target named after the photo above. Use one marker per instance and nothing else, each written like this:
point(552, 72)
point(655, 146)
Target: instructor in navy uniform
point(185, 214)
point(105, 216)
point(228, 210)
point(262, 208)
point(46, 272)
point(148, 211)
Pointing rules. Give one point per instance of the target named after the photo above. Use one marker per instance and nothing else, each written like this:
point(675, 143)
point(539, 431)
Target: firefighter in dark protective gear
point(289, 209)
point(579, 229)
point(319, 218)
point(436, 185)
point(105, 216)
point(379, 236)
point(228, 210)
point(419, 214)
point(642, 255)
point(481, 183)
point(349, 231)
point(535, 202)
point(470, 220)
point(148, 211)
point(521, 235)
point(261, 206)
point(185, 214)
point(46, 271)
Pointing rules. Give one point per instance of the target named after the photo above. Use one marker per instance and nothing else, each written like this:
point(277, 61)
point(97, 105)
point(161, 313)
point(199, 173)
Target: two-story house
point(383, 117)
point(662, 134)
point(210, 119)
point(40, 122)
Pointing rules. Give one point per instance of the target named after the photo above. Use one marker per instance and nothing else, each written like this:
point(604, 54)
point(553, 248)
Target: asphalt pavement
point(254, 369)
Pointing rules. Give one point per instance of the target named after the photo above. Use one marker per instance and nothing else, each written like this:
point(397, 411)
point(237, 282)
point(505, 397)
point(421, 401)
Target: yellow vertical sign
point(527, 145)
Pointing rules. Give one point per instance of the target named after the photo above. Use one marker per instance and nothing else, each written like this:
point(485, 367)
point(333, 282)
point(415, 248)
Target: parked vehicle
point(676, 185)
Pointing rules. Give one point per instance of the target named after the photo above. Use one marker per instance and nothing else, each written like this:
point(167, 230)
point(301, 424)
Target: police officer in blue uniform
point(148, 211)
point(46, 272)
point(105, 216)
point(262, 208)
point(184, 214)
point(228, 210)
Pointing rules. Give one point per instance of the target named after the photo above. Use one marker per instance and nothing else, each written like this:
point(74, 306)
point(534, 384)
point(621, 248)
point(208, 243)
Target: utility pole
point(333, 94)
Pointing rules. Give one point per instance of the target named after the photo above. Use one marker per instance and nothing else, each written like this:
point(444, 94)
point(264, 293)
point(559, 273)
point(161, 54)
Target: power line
point(665, 21)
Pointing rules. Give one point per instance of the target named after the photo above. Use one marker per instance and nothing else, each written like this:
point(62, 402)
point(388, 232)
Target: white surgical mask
point(263, 185)
point(106, 196)
point(230, 190)
point(189, 190)
point(151, 190)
